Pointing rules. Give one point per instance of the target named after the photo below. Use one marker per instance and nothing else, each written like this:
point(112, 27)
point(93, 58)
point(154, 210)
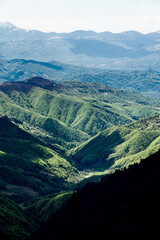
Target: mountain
point(66, 119)
point(61, 127)
point(21, 69)
point(70, 113)
point(127, 50)
point(28, 168)
point(9, 32)
point(52, 136)
point(145, 82)
point(119, 147)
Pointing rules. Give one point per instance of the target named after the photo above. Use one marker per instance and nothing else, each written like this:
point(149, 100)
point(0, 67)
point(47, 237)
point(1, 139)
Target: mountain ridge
point(95, 99)
point(118, 147)
point(10, 25)
point(145, 82)
point(86, 48)
point(42, 123)
point(69, 114)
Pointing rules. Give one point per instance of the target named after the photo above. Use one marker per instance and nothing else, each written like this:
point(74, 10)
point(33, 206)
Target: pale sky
point(70, 15)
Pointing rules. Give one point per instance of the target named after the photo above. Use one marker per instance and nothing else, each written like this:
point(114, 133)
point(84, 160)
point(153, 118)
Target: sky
point(71, 15)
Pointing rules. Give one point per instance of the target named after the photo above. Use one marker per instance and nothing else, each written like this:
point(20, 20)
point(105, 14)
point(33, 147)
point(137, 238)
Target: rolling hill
point(22, 69)
point(54, 135)
point(119, 147)
point(28, 168)
point(70, 113)
point(146, 82)
point(42, 210)
point(67, 117)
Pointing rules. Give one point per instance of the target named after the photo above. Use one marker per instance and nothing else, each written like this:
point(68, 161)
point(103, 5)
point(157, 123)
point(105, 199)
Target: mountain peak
point(28, 84)
point(44, 83)
point(6, 25)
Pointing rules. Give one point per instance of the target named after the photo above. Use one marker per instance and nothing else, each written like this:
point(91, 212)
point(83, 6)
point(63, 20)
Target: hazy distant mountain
point(146, 82)
point(9, 32)
point(126, 50)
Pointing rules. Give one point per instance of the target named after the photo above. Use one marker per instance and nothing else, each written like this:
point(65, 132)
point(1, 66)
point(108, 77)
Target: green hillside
point(56, 130)
point(71, 113)
point(53, 135)
point(43, 209)
point(143, 81)
point(118, 147)
point(28, 168)
point(65, 116)
point(14, 223)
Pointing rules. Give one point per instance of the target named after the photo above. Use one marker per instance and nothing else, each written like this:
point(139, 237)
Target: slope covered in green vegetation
point(143, 81)
point(28, 168)
point(14, 222)
point(49, 132)
point(70, 113)
point(118, 147)
point(43, 209)
point(64, 116)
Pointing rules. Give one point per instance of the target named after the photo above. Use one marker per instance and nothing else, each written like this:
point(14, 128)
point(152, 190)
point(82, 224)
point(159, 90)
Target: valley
point(56, 137)
point(79, 134)
point(64, 133)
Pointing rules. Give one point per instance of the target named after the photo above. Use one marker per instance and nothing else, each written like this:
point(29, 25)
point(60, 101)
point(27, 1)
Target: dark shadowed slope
point(125, 205)
point(14, 222)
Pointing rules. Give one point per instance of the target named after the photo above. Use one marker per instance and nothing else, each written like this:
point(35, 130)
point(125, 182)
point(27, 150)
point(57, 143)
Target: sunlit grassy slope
point(119, 147)
point(52, 127)
point(43, 209)
point(71, 113)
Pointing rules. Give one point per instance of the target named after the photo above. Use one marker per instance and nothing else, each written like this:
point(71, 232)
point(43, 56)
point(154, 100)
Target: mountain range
point(146, 82)
point(79, 134)
point(55, 137)
point(127, 50)
point(61, 125)
point(136, 188)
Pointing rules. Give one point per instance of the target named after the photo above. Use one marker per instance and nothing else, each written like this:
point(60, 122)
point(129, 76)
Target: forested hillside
point(125, 205)
point(55, 137)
